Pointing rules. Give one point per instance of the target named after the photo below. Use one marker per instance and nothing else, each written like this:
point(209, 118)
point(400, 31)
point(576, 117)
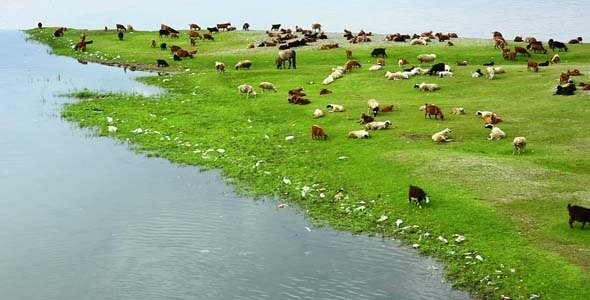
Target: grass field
point(511, 208)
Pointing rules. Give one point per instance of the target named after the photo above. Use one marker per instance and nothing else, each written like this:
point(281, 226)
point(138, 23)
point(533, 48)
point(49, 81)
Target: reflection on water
point(85, 218)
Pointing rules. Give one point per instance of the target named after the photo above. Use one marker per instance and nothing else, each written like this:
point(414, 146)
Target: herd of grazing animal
point(296, 96)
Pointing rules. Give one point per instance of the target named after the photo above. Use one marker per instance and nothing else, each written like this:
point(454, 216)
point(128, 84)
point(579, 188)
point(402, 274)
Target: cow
point(378, 52)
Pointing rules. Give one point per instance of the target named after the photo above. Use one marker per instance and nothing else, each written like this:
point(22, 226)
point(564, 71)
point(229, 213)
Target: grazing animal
point(578, 213)
point(121, 27)
point(297, 92)
point(544, 64)
point(427, 87)
point(267, 86)
point(373, 106)
point(208, 37)
point(458, 111)
point(349, 64)
point(288, 55)
point(555, 44)
point(491, 63)
point(445, 74)
point(402, 61)
point(484, 113)
point(426, 58)
point(223, 26)
point(325, 91)
point(163, 46)
point(318, 133)
point(496, 133)
point(243, 64)
point(492, 119)
point(537, 47)
point(174, 48)
point(348, 54)
point(519, 144)
point(335, 108)
point(316, 27)
point(59, 32)
point(378, 52)
point(436, 68)
point(194, 27)
point(130, 27)
point(358, 134)
point(183, 53)
point(317, 113)
point(246, 89)
point(176, 57)
point(212, 29)
point(275, 27)
point(417, 195)
point(532, 65)
point(522, 51)
point(246, 27)
point(40, 25)
point(442, 136)
point(153, 43)
point(564, 78)
point(433, 110)
point(162, 63)
point(378, 125)
point(219, 66)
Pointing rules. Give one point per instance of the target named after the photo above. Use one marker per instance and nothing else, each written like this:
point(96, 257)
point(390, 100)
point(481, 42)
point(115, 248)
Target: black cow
point(436, 68)
point(120, 35)
point(164, 32)
point(555, 44)
point(163, 46)
point(177, 58)
point(418, 195)
point(378, 51)
point(578, 213)
point(275, 27)
point(213, 29)
point(162, 63)
point(40, 25)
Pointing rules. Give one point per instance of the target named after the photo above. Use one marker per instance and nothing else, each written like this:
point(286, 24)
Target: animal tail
point(294, 59)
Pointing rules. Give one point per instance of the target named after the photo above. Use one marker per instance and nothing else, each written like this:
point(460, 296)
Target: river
point(85, 218)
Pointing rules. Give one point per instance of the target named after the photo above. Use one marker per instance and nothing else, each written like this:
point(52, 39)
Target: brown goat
point(318, 133)
point(325, 92)
point(386, 108)
point(433, 110)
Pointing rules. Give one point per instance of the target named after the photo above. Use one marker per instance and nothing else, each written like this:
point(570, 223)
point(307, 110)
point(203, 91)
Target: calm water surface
point(85, 218)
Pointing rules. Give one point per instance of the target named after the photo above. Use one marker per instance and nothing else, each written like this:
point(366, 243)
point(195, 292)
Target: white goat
point(442, 136)
point(373, 106)
point(519, 144)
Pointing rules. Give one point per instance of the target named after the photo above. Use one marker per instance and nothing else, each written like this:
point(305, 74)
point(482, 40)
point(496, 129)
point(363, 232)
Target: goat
point(458, 111)
point(442, 136)
point(219, 66)
point(417, 195)
point(519, 144)
point(433, 110)
point(373, 106)
point(532, 65)
point(578, 213)
point(387, 108)
point(318, 133)
point(496, 133)
point(317, 113)
point(162, 63)
point(335, 107)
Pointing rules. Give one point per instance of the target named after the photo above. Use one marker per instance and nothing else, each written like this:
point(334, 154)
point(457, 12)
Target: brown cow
point(207, 36)
point(195, 34)
point(316, 27)
point(194, 27)
point(325, 92)
point(173, 35)
point(59, 32)
point(223, 26)
point(318, 133)
point(522, 50)
point(121, 27)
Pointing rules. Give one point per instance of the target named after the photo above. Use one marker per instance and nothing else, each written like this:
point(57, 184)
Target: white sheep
point(519, 144)
point(267, 86)
point(448, 68)
point(442, 74)
point(335, 107)
point(336, 74)
point(328, 80)
point(378, 125)
point(442, 136)
point(420, 71)
point(491, 72)
point(476, 74)
point(246, 89)
point(484, 113)
point(243, 64)
point(396, 76)
point(318, 113)
point(458, 111)
point(373, 106)
point(219, 66)
point(376, 68)
point(358, 134)
point(427, 87)
point(496, 133)
point(499, 70)
point(426, 58)
point(418, 41)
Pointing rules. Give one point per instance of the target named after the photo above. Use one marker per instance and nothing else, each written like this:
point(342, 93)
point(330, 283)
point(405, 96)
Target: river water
point(85, 218)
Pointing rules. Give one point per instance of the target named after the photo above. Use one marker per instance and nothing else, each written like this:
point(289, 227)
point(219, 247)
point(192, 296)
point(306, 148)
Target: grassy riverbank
point(510, 208)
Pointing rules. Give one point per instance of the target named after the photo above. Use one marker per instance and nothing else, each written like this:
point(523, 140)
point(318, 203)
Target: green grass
point(511, 208)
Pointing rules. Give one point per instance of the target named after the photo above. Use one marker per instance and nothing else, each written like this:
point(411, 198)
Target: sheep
point(496, 133)
point(402, 61)
point(335, 107)
point(493, 119)
point(418, 42)
point(427, 87)
point(219, 66)
point(483, 113)
point(373, 106)
point(442, 136)
point(358, 134)
point(426, 58)
point(491, 73)
point(318, 133)
point(417, 195)
point(519, 144)
point(578, 213)
point(457, 111)
point(431, 109)
point(243, 64)
point(396, 76)
point(328, 80)
point(246, 89)
point(376, 68)
point(317, 113)
point(477, 73)
point(378, 125)
point(366, 119)
point(267, 86)
point(337, 74)
point(445, 74)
